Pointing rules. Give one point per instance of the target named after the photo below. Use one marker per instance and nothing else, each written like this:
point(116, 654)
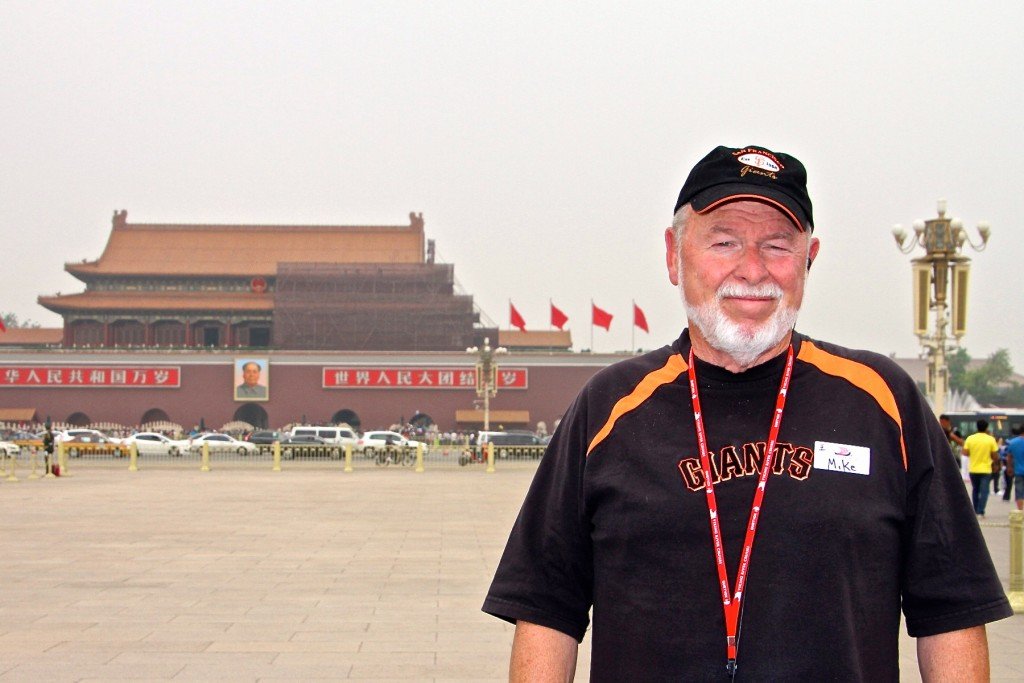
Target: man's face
point(743, 263)
point(251, 374)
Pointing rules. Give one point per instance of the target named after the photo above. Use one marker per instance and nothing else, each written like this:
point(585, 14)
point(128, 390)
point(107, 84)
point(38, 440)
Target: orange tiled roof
point(33, 336)
point(497, 417)
point(17, 414)
point(555, 339)
point(247, 250)
point(158, 301)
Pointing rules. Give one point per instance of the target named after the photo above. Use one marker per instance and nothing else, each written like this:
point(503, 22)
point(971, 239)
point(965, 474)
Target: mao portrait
point(252, 379)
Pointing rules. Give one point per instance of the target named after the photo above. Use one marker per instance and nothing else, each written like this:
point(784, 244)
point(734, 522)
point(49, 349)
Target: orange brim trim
point(755, 197)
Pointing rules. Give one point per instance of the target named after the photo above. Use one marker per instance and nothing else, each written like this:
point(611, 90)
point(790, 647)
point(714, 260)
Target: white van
point(336, 436)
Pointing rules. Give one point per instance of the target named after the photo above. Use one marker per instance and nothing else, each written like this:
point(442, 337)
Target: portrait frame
point(245, 392)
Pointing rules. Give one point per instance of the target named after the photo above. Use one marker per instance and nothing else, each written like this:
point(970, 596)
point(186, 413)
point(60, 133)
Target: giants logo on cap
point(758, 161)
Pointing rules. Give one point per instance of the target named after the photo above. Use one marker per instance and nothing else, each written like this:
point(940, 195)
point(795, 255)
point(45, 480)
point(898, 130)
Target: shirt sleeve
point(949, 582)
point(545, 575)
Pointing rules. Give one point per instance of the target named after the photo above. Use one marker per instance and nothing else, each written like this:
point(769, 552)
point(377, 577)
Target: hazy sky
point(545, 143)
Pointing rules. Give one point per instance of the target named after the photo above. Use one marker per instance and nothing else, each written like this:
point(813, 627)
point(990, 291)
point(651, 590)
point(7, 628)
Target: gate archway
point(253, 414)
point(421, 421)
point(79, 419)
point(154, 415)
point(347, 416)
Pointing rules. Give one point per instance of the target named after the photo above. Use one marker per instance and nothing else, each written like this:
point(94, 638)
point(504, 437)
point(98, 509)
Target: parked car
point(264, 437)
point(504, 442)
point(10, 449)
point(85, 436)
point(303, 439)
point(154, 443)
point(371, 442)
point(82, 441)
point(222, 442)
point(339, 436)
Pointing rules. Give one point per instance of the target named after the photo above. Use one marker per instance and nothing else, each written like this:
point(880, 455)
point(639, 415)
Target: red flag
point(558, 319)
point(639, 319)
point(514, 319)
point(3, 328)
point(600, 317)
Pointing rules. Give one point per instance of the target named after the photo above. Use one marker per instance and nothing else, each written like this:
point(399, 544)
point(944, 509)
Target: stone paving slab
point(308, 574)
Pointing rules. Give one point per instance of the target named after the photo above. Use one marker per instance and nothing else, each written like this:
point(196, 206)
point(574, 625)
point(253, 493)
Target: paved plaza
point(310, 573)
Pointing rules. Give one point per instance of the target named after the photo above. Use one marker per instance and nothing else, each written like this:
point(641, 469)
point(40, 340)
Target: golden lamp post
point(942, 268)
point(486, 376)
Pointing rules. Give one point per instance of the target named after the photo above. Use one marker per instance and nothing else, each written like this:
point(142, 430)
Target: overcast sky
point(545, 143)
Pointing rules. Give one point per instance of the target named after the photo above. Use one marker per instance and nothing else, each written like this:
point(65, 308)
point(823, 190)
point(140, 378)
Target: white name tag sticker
point(841, 457)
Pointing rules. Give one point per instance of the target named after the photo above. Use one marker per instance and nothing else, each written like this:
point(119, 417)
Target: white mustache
point(765, 291)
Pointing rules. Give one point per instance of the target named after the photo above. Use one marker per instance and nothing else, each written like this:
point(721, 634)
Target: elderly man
point(669, 466)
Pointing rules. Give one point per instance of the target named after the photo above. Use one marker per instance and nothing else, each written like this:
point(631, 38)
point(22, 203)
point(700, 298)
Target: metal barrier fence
point(277, 457)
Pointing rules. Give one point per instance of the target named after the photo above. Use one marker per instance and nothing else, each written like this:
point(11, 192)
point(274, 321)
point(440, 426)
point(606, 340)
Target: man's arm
point(960, 656)
point(542, 654)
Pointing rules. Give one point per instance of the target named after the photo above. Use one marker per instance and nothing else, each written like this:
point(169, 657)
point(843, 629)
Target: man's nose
point(751, 267)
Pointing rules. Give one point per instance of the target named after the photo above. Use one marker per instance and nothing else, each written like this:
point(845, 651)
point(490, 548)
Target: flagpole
point(591, 325)
point(632, 333)
point(551, 323)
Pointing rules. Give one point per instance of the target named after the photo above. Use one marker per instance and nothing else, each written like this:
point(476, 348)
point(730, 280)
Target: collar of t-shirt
point(711, 375)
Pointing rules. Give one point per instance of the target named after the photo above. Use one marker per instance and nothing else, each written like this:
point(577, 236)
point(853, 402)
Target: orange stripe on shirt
point(673, 367)
point(860, 376)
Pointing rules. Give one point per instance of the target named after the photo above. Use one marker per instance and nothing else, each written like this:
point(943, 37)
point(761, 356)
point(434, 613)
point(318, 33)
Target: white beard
point(723, 334)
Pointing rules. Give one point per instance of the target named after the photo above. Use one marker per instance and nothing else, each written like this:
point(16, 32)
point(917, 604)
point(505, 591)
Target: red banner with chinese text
point(416, 378)
point(90, 376)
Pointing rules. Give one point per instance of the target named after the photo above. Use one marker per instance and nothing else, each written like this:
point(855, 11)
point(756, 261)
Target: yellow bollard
point(1016, 594)
point(277, 456)
point(205, 466)
point(490, 458)
point(3, 464)
point(62, 460)
point(33, 461)
point(133, 458)
point(348, 457)
point(13, 466)
point(419, 457)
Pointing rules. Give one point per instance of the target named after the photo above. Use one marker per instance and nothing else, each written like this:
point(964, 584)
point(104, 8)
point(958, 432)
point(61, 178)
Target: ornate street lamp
point(486, 376)
point(943, 266)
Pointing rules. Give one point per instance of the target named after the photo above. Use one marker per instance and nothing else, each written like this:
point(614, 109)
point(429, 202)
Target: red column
point(188, 333)
point(228, 341)
point(107, 341)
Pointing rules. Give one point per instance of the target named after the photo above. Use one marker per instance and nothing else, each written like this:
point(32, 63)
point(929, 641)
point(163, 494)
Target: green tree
point(957, 364)
point(11, 321)
point(991, 382)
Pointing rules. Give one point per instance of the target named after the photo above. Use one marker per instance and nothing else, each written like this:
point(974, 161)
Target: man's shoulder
point(624, 375)
point(833, 355)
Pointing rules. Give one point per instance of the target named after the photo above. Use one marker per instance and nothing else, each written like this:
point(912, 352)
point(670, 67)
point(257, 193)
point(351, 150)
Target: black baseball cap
point(729, 174)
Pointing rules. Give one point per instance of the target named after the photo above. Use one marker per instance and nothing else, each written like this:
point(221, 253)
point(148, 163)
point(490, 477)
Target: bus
point(1000, 421)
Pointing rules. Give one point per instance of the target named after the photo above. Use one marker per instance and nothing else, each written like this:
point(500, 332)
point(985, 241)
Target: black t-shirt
point(863, 514)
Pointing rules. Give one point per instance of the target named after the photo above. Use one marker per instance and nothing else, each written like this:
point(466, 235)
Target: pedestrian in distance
point(1015, 464)
point(982, 452)
point(668, 466)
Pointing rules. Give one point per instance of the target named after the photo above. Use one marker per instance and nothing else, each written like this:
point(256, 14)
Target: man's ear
point(672, 256)
point(812, 253)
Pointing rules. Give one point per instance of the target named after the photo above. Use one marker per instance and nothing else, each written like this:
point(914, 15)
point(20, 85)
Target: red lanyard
point(731, 602)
